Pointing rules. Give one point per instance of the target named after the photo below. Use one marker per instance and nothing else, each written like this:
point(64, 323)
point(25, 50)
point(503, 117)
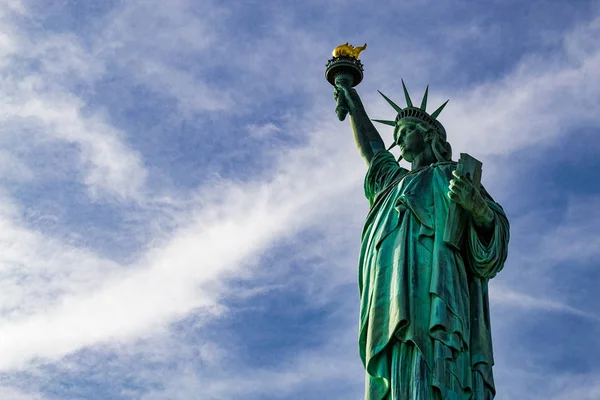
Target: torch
point(344, 70)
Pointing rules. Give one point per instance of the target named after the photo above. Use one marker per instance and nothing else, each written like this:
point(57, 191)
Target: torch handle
point(342, 108)
point(345, 81)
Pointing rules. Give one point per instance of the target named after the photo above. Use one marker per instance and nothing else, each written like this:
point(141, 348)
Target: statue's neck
point(424, 159)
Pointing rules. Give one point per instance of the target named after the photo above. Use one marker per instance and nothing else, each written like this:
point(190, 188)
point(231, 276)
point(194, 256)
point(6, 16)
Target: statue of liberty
point(424, 329)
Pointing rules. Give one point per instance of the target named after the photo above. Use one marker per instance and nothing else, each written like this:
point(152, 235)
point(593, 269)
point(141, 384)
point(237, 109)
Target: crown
point(414, 114)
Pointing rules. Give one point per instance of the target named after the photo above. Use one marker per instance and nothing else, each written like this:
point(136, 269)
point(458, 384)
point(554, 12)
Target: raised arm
point(368, 140)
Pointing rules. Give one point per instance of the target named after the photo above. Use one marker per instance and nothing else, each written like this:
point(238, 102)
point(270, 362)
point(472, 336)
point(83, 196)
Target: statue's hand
point(353, 101)
point(465, 194)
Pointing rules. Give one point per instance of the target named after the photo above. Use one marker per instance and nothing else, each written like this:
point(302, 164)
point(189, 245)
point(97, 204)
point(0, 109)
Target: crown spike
point(392, 146)
point(408, 101)
point(439, 110)
point(424, 101)
point(391, 103)
point(381, 121)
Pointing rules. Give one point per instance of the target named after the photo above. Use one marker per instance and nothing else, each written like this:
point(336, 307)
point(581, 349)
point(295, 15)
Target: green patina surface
point(424, 310)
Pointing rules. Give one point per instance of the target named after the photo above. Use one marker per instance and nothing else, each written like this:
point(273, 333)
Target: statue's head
point(415, 129)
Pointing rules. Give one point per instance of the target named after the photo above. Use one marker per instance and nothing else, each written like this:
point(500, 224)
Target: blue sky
point(180, 209)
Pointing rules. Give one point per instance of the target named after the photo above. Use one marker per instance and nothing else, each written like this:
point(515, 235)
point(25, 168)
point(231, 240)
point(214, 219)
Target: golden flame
point(348, 50)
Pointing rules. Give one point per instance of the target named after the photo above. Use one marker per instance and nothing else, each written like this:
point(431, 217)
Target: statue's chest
point(415, 193)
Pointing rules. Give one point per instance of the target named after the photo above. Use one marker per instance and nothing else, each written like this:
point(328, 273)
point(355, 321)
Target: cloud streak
point(208, 238)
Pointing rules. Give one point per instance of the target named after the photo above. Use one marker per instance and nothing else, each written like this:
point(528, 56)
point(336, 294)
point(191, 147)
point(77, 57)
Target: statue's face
point(411, 141)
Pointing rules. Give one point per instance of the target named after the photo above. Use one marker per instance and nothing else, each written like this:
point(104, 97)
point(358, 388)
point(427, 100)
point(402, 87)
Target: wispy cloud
point(529, 303)
point(200, 241)
point(9, 393)
point(38, 106)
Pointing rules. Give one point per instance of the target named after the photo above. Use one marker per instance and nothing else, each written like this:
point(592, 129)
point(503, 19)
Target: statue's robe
point(424, 321)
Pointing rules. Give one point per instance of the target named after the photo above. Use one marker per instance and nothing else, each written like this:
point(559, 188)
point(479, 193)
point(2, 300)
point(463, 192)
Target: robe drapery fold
point(422, 300)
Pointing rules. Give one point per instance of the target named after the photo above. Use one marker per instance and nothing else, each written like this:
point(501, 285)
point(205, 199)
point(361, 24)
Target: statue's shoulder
point(444, 167)
point(445, 164)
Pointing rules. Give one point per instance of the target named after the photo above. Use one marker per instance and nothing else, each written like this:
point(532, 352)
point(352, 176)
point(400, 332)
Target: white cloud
point(36, 100)
point(192, 94)
point(575, 386)
point(79, 299)
point(9, 393)
point(540, 385)
point(37, 270)
point(227, 377)
point(109, 166)
point(12, 168)
point(577, 238)
point(263, 131)
point(241, 223)
point(149, 40)
point(503, 296)
point(542, 98)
